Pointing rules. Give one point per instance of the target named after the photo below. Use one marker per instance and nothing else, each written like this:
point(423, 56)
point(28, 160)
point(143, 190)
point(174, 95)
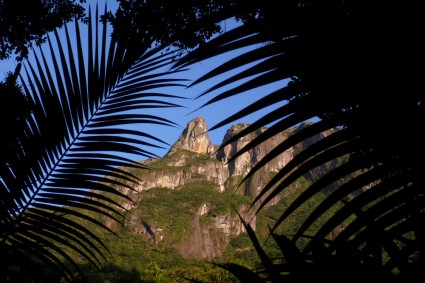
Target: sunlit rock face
point(205, 242)
point(243, 163)
point(215, 172)
point(246, 161)
point(194, 137)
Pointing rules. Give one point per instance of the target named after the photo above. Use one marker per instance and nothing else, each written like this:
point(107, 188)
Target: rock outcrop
point(183, 174)
point(203, 244)
point(194, 137)
point(243, 163)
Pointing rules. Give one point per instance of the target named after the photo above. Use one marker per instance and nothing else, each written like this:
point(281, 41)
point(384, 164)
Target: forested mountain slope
point(184, 212)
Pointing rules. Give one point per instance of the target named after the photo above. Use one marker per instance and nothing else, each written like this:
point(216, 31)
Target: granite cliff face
point(243, 164)
point(194, 138)
point(194, 164)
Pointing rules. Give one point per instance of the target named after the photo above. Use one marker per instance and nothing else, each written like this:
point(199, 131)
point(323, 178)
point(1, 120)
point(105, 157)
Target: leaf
point(74, 144)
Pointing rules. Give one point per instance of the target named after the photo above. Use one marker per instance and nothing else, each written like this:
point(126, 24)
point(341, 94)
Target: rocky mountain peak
point(194, 138)
point(233, 130)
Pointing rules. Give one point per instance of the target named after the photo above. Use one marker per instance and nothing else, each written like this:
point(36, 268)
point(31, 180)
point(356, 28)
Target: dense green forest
point(137, 257)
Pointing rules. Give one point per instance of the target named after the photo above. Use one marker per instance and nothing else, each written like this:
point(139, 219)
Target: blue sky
point(213, 113)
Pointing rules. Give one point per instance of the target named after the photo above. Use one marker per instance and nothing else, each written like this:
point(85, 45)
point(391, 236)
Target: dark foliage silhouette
point(352, 65)
point(14, 110)
point(73, 135)
point(26, 22)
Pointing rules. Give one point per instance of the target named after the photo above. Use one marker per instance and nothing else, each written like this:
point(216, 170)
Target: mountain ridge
point(194, 161)
point(185, 208)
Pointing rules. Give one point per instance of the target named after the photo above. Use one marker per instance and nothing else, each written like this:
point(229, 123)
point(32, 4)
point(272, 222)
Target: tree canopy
point(14, 111)
point(190, 23)
point(26, 22)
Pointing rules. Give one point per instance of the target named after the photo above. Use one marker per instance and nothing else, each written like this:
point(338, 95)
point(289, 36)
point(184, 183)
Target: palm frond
point(346, 76)
point(85, 95)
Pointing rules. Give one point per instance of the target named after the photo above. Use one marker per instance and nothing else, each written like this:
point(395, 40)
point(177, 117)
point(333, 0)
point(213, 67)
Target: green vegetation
point(166, 164)
point(140, 256)
point(137, 256)
point(159, 206)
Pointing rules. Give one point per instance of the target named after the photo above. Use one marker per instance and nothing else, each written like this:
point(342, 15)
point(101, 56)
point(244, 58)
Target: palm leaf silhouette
point(346, 75)
point(82, 98)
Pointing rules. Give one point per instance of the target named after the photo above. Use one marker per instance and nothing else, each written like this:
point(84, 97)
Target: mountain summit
point(194, 137)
